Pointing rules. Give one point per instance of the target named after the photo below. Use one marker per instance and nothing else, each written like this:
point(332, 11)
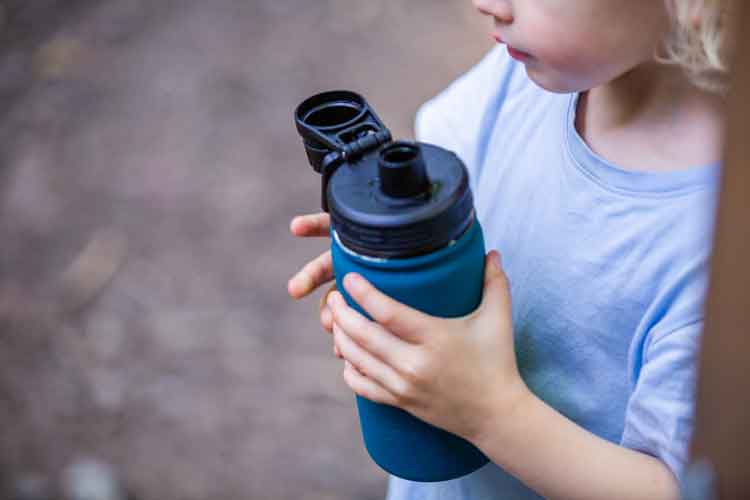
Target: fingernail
point(332, 299)
point(353, 282)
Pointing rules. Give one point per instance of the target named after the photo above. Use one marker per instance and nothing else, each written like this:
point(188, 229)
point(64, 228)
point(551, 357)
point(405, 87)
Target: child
point(592, 135)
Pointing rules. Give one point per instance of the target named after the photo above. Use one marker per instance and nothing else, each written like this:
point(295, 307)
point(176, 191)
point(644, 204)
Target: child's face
point(575, 45)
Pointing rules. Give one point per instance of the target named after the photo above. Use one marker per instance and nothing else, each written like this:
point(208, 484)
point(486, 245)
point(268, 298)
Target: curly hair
point(700, 41)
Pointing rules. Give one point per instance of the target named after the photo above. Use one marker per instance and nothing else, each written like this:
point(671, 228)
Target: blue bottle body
point(446, 283)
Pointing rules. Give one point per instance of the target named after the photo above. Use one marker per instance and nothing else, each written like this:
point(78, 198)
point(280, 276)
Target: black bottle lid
point(404, 200)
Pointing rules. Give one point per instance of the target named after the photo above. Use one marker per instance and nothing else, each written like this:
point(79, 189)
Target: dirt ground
point(149, 169)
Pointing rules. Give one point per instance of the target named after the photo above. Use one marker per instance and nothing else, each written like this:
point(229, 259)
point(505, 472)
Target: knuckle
point(405, 392)
point(308, 270)
point(316, 271)
point(369, 340)
point(324, 267)
point(320, 221)
point(387, 316)
point(415, 371)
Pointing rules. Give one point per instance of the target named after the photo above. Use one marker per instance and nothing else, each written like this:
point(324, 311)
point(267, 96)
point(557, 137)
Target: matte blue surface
point(445, 283)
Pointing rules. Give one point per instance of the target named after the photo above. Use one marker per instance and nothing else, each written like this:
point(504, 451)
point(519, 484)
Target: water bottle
point(402, 216)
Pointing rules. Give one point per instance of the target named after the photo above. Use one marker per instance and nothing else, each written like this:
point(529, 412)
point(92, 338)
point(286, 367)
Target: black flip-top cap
point(321, 117)
point(404, 200)
point(334, 120)
point(337, 126)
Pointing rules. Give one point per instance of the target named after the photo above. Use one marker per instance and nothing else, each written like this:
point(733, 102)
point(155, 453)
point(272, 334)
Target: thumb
point(496, 293)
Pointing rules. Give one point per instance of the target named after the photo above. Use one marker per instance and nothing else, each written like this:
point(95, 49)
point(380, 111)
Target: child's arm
point(559, 459)
point(460, 374)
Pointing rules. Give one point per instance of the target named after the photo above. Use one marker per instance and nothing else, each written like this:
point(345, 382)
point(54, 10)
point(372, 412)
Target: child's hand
point(455, 373)
point(318, 271)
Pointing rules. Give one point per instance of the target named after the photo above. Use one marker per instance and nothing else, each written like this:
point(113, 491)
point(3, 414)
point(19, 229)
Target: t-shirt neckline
point(612, 177)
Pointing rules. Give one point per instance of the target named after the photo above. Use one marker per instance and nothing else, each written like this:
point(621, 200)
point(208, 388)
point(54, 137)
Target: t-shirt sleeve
point(453, 118)
point(659, 416)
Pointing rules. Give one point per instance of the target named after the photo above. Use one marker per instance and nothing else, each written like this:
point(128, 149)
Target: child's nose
point(499, 9)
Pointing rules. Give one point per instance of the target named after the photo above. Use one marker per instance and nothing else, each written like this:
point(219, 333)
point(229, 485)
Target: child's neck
point(652, 119)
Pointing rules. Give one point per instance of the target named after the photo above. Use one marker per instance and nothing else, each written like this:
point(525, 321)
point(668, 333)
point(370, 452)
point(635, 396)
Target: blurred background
point(149, 169)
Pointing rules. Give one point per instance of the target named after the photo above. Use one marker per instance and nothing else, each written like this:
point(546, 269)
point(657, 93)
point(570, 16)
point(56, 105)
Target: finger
point(406, 322)
point(311, 276)
point(311, 225)
point(336, 352)
point(369, 335)
point(326, 319)
point(496, 292)
point(365, 362)
point(324, 298)
point(366, 387)
point(347, 363)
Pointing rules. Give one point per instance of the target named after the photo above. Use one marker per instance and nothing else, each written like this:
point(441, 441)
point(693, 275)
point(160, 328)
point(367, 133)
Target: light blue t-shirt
point(608, 267)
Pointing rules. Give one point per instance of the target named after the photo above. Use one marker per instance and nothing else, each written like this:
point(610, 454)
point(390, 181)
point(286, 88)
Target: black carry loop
point(338, 126)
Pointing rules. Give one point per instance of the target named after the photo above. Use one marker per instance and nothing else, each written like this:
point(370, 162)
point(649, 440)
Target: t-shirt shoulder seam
point(657, 337)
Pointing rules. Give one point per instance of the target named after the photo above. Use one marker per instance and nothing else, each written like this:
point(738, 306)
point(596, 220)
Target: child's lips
point(518, 54)
point(514, 53)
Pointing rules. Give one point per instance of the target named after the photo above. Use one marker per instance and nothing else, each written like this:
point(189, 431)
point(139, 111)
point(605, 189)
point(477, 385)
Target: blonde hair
point(700, 41)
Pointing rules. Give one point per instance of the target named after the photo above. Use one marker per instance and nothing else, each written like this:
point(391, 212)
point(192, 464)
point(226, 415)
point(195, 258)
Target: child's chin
point(550, 82)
